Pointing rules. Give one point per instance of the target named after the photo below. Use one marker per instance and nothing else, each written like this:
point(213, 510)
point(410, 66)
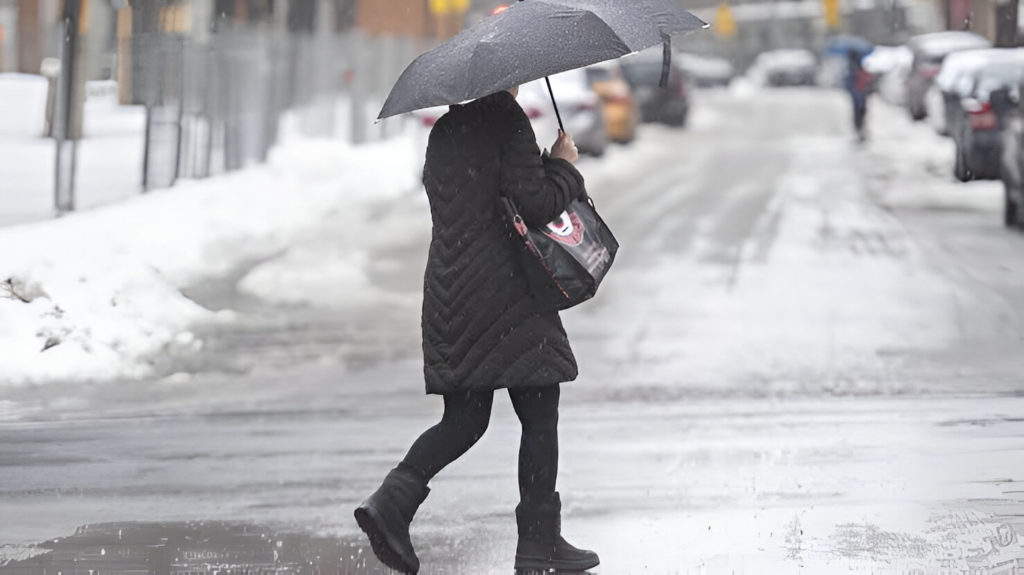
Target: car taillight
point(983, 118)
point(428, 121)
point(533, 113)
point(929, 71)
point(619, 98)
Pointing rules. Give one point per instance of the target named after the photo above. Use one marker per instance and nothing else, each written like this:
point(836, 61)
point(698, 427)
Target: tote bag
point(565, 260)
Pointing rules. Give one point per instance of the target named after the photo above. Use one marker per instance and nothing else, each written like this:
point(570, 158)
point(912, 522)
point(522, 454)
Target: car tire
point(1011, 211)
point(917, 114)
point(960, 169)
point(676, 121)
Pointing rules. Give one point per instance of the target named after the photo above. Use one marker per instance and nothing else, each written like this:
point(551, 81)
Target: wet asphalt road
point(789, 371)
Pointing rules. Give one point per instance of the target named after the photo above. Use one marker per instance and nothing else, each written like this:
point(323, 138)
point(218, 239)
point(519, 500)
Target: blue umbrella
point(846, 44)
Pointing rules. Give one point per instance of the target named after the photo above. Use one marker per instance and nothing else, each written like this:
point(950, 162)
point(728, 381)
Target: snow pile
point(24, 98)
point(912, 166)
point(98, 294)
point(313, 274)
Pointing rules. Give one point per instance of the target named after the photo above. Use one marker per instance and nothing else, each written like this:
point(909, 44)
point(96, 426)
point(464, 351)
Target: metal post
point(1006, 23)
point(145, 149)
point(358, 49)
point(66, 138)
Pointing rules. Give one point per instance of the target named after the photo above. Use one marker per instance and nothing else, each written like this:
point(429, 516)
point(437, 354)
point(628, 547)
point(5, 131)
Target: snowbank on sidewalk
point(912, 166)
point(97, 295)
point(24, 98)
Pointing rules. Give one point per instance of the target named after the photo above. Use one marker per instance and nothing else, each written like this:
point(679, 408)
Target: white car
point(578, 104)
point(705, 71)
point(890, 64)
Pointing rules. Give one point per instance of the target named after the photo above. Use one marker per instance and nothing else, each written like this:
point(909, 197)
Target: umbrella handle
point(561, 128)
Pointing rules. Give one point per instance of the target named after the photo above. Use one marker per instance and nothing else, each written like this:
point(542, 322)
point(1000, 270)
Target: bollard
point(50, 69)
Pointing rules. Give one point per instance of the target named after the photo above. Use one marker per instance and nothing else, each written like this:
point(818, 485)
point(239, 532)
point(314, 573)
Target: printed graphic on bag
point(567, 229)
point(596, 257)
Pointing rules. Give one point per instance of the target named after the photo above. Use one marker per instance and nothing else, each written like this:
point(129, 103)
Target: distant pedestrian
point(482, 329)
point(859, 84)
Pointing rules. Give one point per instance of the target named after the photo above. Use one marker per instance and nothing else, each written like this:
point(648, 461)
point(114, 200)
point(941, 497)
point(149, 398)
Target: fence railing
point(186, 106)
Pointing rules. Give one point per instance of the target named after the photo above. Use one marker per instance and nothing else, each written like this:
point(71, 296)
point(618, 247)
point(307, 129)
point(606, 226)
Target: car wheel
point(676, 120)
point(960, 170)
point(1011, 212)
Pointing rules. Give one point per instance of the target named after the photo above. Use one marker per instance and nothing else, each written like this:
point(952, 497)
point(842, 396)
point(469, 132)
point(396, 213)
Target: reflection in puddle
point(200, 548)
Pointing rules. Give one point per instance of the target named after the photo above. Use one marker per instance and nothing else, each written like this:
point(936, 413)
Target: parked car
point(973, 124)
point(929, 51)
point(705, 71)
point(1006, 104)
point(578, 104)
point(795, 67)
point(620, 109)
point(951, 84)
point(669, 105)
point(891, 65)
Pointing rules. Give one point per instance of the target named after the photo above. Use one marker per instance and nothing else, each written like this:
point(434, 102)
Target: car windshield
point(643, 73)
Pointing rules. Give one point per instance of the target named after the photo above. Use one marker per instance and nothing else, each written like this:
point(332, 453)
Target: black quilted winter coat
point(482, 329)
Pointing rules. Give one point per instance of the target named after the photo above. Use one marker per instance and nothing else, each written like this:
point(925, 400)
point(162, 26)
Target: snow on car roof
point(941, 43)
point(1002, 61)
point(885, 58)
point(570, 86)
point(697, 63)
point(791, 57)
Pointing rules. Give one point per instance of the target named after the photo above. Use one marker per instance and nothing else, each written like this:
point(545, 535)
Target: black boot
point(385, 517)
point(541, 546)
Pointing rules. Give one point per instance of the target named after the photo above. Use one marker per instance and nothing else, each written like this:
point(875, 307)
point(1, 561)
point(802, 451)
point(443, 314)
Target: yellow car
point(620, 109)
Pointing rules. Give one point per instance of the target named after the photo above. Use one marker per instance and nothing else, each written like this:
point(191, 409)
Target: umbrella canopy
point(532, 40)
point(844, 45)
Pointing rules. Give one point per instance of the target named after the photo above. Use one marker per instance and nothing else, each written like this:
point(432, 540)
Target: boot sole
point(383, 546)
point(537, 564)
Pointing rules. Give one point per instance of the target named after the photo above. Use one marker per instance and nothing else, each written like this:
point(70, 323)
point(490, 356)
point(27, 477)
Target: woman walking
point(858, 84)
point(483, 330)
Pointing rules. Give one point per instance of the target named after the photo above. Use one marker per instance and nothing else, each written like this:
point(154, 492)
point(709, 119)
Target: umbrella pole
point(561, 128)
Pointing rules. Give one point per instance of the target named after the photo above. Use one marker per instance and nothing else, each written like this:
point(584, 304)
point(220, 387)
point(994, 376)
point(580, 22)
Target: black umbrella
point(532, 40)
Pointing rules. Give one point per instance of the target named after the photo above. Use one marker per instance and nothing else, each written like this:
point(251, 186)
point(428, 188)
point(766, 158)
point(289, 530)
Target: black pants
point(465, 419)
point(860, 112)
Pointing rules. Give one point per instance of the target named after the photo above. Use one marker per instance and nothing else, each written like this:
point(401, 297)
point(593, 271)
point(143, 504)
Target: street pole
point(66, 134)
point(1006, 23)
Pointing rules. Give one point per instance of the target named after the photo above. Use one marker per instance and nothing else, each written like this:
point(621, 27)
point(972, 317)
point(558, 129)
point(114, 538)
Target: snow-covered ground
point(793, 368)
point(109, 166)
point(95, 294)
